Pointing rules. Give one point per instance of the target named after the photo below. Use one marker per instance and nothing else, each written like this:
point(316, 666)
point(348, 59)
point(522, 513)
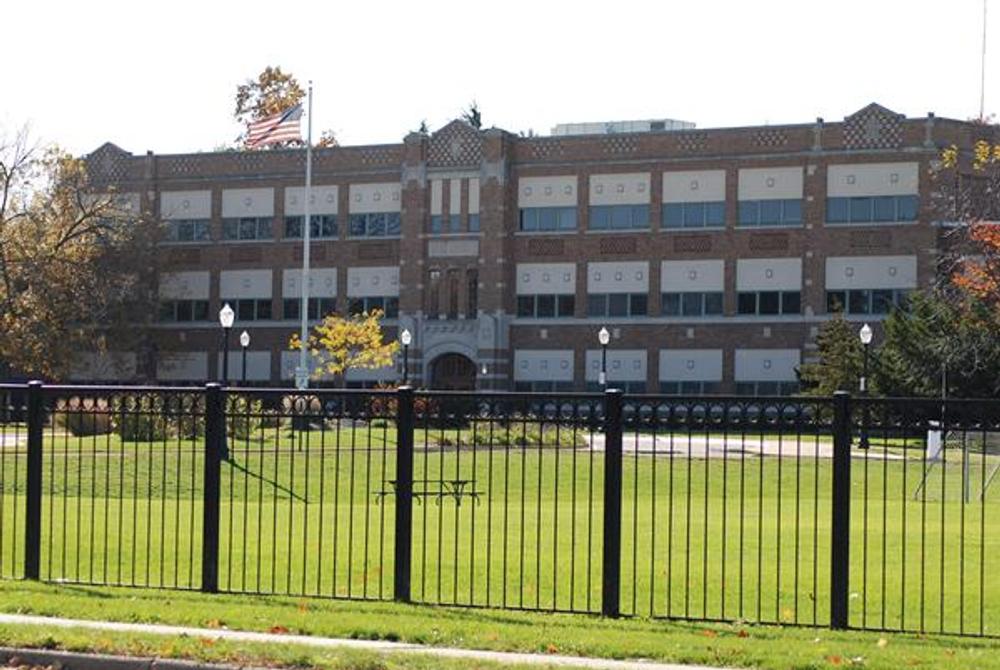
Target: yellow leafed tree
point(339, 344)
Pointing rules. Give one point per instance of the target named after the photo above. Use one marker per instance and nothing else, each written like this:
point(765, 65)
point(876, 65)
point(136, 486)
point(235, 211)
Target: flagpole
point(302, 372)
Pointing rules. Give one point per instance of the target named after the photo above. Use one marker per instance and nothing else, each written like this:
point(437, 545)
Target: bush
point(83, 417)
point(140, 418)
point(244, 417)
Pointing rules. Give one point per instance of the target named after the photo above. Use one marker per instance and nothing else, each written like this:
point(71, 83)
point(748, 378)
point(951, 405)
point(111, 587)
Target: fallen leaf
point(834, 660)
point(213, 623)
point(742, 633)
point(882, 643)
point(277, 630)
point(551, 649)
point(207, 641)
point(709, 633)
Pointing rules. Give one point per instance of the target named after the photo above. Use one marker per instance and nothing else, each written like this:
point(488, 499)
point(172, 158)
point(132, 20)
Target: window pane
point(264, 229)
point(748, 212)
point(391, 308)
point(673, 215)
point(245, 310)
point(185, 231)
point(356, 306)
point(526, 305)
point(201, 230)
point(770, 212)
point(293, 226)
point(638, 304)
point(746, 303)
point(640, 216)
point(600, 218)
point(567, 218)
point(546, 305)
point(768, 302)
point(670, 304)
point(327, 306)
point(835, 301)
point(715, 213)
point(473, 223)
point(313, 309)
point(791, 302)
point(713, 303)
point(393, 223)
point(455, 223)
point(621, 218)
point(597, 304)
point(861, 210)
point(691, 304)
point(248, 229)
point(230, 229)
point(263, 309)
point(201, 310)
point(566, 305)
point(437, 224)
point(529, 219)
point(670, 388)
point(167, 311)
point(618, 304)
point(547, 218)
point(745, 388)
point(857, 302)
point(882, 301)
point(837, 210)
point(376, 224)
point(357, 225)
point(767, 388)
point(290, 308)
point(694, 215)
point(792, 211)
point(907, 208)
point(183, 310)
point(885, 208)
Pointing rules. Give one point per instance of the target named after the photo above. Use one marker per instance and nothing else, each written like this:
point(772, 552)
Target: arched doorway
point(453, 372)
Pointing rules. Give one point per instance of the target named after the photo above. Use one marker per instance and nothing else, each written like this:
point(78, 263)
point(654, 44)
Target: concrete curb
point(86, 662)
point(69, 660)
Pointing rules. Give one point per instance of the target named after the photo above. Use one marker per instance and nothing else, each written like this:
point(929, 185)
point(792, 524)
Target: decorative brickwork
point(770, 137)
point(689, 243)
point(871, 239)
point(544, 148)
point(371, 251)
point(245, 255)
point(546, 247)
point(456, 145)
point(769, 241)
point(612, 246)
point(692, 142)
point(873, 127)
point(184, 256)
point(619, 145)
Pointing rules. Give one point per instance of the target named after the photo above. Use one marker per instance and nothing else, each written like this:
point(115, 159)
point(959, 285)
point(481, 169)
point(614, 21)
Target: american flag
point(280, 127)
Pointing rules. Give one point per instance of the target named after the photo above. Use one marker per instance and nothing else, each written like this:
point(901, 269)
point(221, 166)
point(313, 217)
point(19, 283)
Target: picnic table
point(437, 489)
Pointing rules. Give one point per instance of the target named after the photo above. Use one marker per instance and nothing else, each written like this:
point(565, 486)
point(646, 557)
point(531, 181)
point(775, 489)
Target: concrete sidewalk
point(379, 646)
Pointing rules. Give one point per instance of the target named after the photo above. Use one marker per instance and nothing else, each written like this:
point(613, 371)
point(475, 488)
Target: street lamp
point(245, 344)
point(226, 318)
point(866, 339)
point(604, 337)
point(406, 337)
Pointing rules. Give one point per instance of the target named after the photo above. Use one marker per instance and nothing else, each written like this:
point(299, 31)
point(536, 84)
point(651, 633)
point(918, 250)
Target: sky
point(162, 76)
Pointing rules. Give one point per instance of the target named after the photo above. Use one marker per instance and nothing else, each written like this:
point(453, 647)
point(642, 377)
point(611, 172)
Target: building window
point(251, 309)
point(617, 304)
point(873, 209)
point(472, 293)
point(452, 294)
point(473, 223)
point(375, 224)
point(770, 212)
point(544, 386)
point(865, 301)
point(173, 311)
point(247, 228)
point(437, 224)
point(619, 217)
point(318, 308)
point(694, 214)
point(548, 218)
point(320, 226)
point(627, 387)
point(691, 304)
point(689, 388)
point(546, 306)
point(769, 302)
point(766, 388)
point(187, 230)
point(454, 223)
point(388, 304)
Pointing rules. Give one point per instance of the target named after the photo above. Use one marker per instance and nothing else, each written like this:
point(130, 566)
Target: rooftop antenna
point(982, 71)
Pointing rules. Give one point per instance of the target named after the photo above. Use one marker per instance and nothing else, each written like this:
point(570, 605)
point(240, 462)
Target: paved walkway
point(549, 660)
point(735, 446)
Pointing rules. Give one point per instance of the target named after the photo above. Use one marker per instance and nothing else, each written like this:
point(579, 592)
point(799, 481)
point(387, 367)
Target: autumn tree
point(339, 344)
point(76, 263)
point(271, 92)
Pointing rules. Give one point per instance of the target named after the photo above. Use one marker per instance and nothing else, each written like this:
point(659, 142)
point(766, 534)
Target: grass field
point(736, 538)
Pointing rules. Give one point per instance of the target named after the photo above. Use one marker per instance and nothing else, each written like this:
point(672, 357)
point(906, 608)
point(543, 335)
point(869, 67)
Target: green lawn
point(742, 538)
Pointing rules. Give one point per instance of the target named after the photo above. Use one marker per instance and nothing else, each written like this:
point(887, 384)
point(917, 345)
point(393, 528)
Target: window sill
point(540, 233)
point(362, 238)
point(269, 240)
point(706, 229)
point(436, 236)
point(616, 231)
point(869, 224)
point(298, 240)
point(772, 226)
point(193, 243)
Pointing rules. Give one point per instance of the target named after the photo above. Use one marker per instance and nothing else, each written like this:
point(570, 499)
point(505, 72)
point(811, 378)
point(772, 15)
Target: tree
point(76, 265)
point(473, 116)
point(339, 344)
point(271, 92)
point(840, 360)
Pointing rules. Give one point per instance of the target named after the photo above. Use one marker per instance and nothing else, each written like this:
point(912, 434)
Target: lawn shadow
point(291, 494)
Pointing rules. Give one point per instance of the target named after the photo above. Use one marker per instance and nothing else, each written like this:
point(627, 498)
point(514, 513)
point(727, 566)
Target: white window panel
point(769, 274)
point(474, 196)
point(612, 277)
point(871, 272)
point(546, 278)
point(766, 365)
point(368, 198)
point(290, 361)
point(620, 189)
point(106, 366)
point(245, 284)
point(373, 281)
point(185, 205)
point(322, 200)
point(238, 202)
point(455, 197)
point(690, 365)
point(184, 285)
point(322, 283)
point(258, 366)
point(182, 366)
point(437, 196)
point(694, 186)
point(623, 365)
point(692, 276)
point(535, 365)
point(547, 191)
point(784, 183)
point(872, 179)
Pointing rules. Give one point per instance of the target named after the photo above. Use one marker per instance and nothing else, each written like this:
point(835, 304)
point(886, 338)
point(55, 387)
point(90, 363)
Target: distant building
point(611, 127)
point(712, 255)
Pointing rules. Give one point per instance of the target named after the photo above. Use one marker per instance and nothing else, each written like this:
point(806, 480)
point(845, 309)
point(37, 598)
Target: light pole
point(604, 337)
point(245, 344)
point(226, 318)
point(406, 337)
point(866, 339)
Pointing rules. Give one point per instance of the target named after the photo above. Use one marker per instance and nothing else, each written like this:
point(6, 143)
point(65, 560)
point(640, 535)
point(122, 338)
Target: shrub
point(140, 418)
point(83, 417)
point(244, 417)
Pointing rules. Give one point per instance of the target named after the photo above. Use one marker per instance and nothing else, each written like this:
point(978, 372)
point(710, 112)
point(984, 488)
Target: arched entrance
point(453, 372)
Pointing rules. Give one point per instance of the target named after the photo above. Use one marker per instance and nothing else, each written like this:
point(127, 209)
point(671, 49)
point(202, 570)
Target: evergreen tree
point(840, 360)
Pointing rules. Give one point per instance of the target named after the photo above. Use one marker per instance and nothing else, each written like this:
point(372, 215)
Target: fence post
point(215, 435)
point(404, 494)
point(611, 561)
point(33, 506)
point(840, 548)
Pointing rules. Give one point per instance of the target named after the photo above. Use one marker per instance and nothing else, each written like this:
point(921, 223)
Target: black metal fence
point(842, 512)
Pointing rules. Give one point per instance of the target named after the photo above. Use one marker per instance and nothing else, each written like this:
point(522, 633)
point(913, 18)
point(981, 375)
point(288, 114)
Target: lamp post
point(406, 337)
point(866, 339)
point(604, 337)
point(245, 344)
point(226, 318)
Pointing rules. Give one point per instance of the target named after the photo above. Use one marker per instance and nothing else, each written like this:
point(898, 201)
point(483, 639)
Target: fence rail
point(843, 512)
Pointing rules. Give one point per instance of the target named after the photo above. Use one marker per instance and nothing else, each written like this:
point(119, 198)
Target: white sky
point(161, 75)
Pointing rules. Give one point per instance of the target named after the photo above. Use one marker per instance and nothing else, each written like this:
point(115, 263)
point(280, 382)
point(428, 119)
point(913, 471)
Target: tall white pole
point(982, 71)
point(302, 372)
